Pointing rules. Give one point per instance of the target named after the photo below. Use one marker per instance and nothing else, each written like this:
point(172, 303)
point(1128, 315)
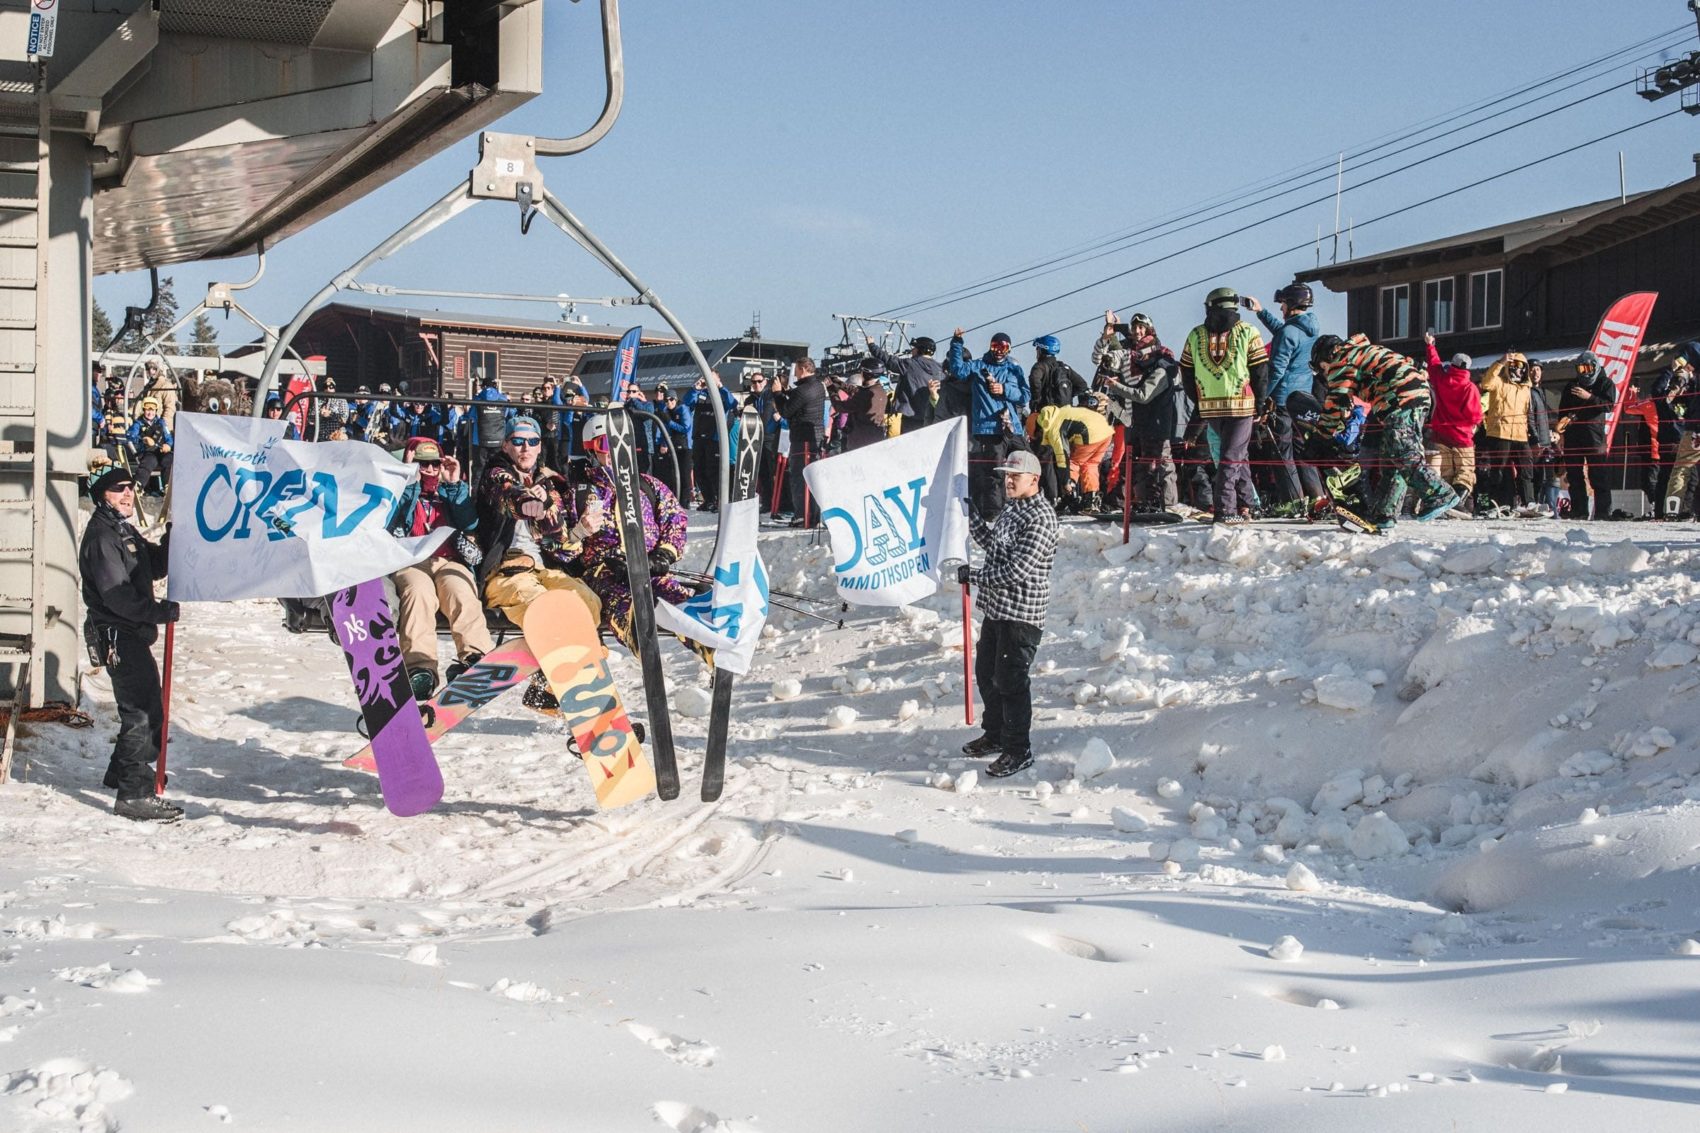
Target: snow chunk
point(1274, 1054)
point(787, 689)
point(1456, 647)
point(1339, 792)
point(1586, 763)
point(1673, 656)
point(1168, 789)
point(908, 710)
point(1302, 879)
point(1094, 760)
point(966, 783)
point(692, 700)
point(841, 717)
point(1127, 821)
point(1473, 560)
point(1620, 558)
point(1689, 947)
point(1349, 694)
point(1286, 950)
point(1377, 836)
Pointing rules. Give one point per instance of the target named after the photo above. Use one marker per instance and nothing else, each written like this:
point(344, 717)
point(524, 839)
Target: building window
point(1396, 311)
point(1487, 292)
point(1438, 304)
point(481, 364)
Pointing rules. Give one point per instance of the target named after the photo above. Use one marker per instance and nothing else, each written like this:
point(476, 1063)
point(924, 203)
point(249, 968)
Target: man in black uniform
point(119, 569)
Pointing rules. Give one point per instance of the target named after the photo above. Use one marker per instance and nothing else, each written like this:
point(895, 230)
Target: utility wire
point(1365, 224)
point(1277, 216)
point(1032, 270)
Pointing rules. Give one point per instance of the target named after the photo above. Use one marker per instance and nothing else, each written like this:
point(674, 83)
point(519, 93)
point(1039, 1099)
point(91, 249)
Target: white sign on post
point(44, 27)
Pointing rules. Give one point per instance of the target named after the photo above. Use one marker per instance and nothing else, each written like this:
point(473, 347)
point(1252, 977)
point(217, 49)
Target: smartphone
point(1245, 300)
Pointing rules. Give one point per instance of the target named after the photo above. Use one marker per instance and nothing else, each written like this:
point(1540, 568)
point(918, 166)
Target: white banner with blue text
point(256, 516)
point(895, 513)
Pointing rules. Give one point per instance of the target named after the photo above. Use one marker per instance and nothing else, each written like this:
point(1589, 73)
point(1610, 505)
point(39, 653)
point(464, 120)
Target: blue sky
point(802, 159)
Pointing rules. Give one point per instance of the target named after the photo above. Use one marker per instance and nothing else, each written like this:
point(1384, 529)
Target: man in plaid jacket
point(1014, 591)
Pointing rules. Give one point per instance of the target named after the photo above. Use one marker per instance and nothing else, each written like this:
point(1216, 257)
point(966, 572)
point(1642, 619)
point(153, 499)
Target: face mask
point(1219, 319)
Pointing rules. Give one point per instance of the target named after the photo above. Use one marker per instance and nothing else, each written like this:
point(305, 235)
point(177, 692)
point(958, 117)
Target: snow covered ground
point(1326, 832)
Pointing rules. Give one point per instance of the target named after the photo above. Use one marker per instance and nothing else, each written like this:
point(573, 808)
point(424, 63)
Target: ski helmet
point(1326, 349)
point(1049, 344)
point(872, 366)
point(1222, 297)
point(924, 346)
point(1141, 319)
point(1587, 367)
point(595, 427)
point(1295, 295)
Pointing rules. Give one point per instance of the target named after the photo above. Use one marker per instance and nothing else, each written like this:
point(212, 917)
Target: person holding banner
point(118, 569)
point(1014, 591)
point(996, 393)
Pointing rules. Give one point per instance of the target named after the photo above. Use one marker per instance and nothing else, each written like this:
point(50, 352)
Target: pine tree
point(102, 332)
point(204, 337)
point(164, 314)
point(154, 323)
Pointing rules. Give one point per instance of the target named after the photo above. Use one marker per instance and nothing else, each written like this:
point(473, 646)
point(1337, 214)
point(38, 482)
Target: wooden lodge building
point(1538, 285)
point(445, 353)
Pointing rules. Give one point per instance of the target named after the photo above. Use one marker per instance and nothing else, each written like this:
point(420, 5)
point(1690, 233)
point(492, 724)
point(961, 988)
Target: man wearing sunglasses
point(524, 531)
point(118, 569)
point(439, 498)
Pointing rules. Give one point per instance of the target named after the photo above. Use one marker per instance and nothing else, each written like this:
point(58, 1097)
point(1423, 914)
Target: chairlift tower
point(144, 133)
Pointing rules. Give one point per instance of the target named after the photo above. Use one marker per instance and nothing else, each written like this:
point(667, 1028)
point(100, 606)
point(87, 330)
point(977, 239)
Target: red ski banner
point(1616, 344)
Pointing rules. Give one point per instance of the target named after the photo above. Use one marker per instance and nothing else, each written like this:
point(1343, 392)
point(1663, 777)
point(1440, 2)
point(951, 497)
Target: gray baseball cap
point(1019, 461)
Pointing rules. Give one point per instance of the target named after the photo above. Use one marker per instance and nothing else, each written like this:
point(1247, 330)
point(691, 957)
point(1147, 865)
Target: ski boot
point(538, 697)
point(456, 668)
point(423, 682)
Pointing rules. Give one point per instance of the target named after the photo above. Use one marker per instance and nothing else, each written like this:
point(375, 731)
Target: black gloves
point(661, 561)
point(962, 574)
point(616, 564)
point(173, 611)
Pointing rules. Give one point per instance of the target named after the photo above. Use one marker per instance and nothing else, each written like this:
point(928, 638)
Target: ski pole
point(967, 659)
point(165, 712)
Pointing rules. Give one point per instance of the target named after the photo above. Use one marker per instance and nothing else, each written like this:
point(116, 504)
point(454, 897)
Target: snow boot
point(538, 697)
point(149, 808)
point(1009, 764)
point(423, 682)
point(1437, 505)
point(985, 745)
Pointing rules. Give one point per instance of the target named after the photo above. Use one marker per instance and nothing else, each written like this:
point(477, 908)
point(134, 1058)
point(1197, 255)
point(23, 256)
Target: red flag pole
point(1127, 490)
point(165, 714)
point(778, 481)
point(967, 658)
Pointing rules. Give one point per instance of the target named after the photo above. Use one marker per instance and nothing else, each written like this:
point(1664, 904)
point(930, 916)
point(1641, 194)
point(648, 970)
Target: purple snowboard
point(407, 769)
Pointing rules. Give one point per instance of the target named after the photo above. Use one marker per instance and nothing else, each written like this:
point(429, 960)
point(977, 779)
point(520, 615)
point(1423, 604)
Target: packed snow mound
point(1453, 648)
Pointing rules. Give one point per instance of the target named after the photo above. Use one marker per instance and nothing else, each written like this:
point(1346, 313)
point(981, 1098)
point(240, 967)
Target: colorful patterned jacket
point(1386, 380)
point(500, 492)
point(663, 523)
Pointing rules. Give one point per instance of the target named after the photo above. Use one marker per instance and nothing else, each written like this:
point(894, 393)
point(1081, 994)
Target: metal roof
point(1565, 233)
point(499, 323)
point(674, 365)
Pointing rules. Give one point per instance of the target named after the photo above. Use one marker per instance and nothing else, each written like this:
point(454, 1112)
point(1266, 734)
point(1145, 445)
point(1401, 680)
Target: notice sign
point(44, 27)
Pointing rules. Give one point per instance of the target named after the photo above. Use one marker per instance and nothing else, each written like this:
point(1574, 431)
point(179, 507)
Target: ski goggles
point(596, 444)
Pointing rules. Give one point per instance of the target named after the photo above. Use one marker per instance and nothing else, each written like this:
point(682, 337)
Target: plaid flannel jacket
point(1015, 582)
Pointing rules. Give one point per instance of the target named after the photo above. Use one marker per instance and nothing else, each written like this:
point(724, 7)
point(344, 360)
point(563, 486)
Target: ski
point(562, 635)
point(407, 770)
point(628, 510)
point(495, 673)
point(720, 710)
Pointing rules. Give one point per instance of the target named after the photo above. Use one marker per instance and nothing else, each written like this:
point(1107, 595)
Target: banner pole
point(967, 658)
point(1127, 490)
point(165, 713)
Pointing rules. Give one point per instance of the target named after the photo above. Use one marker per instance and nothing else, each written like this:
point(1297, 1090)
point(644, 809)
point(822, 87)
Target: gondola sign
point(44, 27)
